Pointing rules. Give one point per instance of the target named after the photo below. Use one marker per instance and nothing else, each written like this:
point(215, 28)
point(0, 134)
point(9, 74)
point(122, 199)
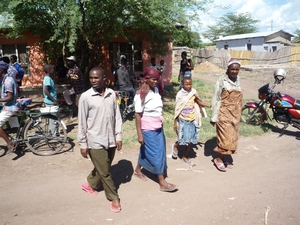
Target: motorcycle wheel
point(248, 117)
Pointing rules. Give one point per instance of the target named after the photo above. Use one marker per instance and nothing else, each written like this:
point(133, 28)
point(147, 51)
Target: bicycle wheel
point(249, 118)
point(45, 135)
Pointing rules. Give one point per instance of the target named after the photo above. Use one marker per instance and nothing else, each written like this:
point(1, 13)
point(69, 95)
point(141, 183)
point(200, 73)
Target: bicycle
point(43, 132)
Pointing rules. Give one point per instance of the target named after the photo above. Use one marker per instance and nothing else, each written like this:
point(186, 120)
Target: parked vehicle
point(285, 108)
point(125, 104)
point(43, 132)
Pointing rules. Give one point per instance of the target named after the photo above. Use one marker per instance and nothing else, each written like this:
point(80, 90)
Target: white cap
point(72, 58)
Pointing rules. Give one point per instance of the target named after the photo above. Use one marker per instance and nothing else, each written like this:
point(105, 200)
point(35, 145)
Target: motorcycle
point(285, 108)
point(124, 100)
point(125, 104)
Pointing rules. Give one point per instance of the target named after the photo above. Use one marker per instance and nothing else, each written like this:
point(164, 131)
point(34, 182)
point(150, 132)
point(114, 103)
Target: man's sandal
point(89, 189)
point(10, 148)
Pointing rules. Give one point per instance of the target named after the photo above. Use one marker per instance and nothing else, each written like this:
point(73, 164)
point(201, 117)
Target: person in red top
point(149, 126)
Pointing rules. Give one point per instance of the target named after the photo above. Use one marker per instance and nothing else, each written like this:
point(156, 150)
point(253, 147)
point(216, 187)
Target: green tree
point(297, 36)
point(186, 37)
point(81, 26)
point(231, 24)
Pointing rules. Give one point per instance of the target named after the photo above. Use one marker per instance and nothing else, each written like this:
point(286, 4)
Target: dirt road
point(262, 188)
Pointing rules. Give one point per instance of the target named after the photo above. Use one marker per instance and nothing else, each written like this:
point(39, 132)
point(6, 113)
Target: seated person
point(125, 78)
point(9, 100)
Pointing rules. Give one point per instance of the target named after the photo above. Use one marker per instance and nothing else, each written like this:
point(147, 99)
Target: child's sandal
point(174, 154)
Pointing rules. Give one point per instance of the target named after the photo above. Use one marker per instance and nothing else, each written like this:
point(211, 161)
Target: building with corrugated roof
point(269, 41)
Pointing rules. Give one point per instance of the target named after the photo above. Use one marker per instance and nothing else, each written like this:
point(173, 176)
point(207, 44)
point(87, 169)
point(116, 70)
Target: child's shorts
point(188, 132)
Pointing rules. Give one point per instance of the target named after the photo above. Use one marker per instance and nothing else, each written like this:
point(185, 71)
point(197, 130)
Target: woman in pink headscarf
point(149, 126)
point(226, 114)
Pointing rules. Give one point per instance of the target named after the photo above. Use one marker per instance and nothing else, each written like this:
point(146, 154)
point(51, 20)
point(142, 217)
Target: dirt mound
point(208, 67)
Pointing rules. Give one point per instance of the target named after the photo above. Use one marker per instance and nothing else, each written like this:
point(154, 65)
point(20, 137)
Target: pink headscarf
point(151, 73)
point(145, 88)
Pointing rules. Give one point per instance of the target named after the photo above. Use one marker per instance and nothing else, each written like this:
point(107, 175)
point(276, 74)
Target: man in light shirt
point(99, 135)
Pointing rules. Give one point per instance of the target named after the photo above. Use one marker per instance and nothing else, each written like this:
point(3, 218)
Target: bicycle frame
point(19, 134)
point(33, 124)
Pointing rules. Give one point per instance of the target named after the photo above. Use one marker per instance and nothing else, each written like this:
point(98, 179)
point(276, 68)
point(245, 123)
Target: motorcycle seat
point(297, 104)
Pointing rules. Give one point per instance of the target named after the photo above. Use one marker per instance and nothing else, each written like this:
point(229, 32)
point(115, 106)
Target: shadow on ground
point(279, 130)
point(121, 173)
point(22, 149)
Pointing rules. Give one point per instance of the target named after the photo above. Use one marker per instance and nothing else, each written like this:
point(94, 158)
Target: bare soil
point(262, 188)
point(253, 77)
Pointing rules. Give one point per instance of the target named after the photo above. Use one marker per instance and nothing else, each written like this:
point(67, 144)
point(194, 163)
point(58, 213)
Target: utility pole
point(271, 25)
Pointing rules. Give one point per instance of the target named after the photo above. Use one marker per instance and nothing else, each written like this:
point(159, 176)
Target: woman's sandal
point(220, 165)
point(228, 165)
point(140, 176)
point(169, 188)
point(174, 154)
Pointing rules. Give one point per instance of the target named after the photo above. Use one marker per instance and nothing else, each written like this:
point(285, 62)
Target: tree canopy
point(296, 39)
point(231, 24)
point(186, 37)
point(80, 26)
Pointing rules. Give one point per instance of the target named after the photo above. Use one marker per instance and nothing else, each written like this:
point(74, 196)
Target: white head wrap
point(233, 61)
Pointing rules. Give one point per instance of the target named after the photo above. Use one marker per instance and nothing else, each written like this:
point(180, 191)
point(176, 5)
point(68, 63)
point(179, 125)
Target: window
point(20, 51)
point(249, 47)
point(226, 47)
point(274, 48)
point(132, 51)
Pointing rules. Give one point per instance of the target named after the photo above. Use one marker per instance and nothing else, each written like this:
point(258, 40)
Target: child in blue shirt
point(49, 89)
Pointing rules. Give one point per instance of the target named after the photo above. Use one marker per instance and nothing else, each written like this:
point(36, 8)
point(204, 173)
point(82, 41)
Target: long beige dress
point(226, 112)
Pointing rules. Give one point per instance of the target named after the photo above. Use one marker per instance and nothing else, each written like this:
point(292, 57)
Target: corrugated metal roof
point(250, 35)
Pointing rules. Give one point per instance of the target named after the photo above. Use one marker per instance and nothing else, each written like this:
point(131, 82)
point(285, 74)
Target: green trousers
point(102, 159)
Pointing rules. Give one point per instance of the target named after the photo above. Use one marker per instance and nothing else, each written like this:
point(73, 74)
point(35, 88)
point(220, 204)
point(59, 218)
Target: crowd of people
point(99, 139)
point(100, 123)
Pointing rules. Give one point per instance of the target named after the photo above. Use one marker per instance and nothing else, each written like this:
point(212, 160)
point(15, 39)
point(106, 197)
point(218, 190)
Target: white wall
point(257, 44)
